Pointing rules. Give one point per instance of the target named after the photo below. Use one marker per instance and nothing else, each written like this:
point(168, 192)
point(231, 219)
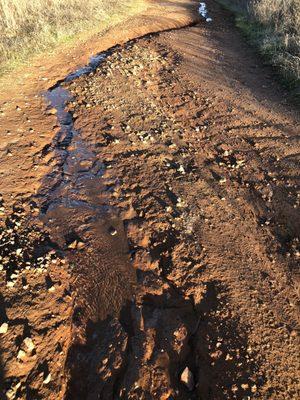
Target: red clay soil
point(150, 249)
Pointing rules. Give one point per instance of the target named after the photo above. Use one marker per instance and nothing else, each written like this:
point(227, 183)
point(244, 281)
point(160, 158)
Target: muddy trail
point(159, 258)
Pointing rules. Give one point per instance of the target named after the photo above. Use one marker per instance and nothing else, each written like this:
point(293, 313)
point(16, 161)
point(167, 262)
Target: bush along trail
point(164, 263)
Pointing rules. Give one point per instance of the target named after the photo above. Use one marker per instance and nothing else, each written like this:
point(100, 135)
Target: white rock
point(4, 328)
point(29, 344)
point(21, 355)
point(181, 169)
point(47, 379)
point(113, 231)
point(10, 394)
point(187, 379)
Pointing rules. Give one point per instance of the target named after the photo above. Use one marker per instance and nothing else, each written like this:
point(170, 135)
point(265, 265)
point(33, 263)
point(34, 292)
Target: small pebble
point(21, 355)
point(29, 344)
point(112, 231)
point(4, 328)
point(47, 379)
point(187, 378)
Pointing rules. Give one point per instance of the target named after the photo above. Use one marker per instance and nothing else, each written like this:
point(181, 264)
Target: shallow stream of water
point(80, 169)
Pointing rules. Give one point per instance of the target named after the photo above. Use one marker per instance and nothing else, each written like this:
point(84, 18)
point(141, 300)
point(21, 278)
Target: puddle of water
point(81, 171)
point(93, 64)
point(75, 208)
point(204, 13)
point(58, 98)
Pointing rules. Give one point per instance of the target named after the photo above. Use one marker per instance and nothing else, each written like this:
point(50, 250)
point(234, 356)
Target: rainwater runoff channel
point(78, 164)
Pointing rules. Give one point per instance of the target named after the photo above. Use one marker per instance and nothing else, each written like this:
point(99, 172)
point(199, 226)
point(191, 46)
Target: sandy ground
point(149, 239)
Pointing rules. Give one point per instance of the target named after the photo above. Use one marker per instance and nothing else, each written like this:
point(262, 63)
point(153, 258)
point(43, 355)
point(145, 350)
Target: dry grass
point(28, 26)
point(280, 20)
point(274, 27)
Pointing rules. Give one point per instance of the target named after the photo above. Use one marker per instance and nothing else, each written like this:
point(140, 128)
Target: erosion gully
point(131, 325)
point(77, 163)
point(75, 207)
point(79, 218)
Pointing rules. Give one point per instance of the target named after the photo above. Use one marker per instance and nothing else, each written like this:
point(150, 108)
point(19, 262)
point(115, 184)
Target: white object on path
point(203, 12)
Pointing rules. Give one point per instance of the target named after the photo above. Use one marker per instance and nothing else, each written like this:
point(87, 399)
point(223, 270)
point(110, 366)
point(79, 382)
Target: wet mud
point(170, 228)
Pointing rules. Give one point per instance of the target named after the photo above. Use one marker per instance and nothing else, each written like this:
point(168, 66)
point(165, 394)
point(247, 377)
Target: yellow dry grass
point(29, 26)
point(274, 27)
point(280, 20)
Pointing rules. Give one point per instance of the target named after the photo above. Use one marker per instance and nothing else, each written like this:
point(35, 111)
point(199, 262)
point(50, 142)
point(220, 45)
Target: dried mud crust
point(210, 205)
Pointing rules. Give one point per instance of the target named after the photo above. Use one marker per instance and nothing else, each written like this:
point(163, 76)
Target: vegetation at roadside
point(30, 26)
point(273, 26)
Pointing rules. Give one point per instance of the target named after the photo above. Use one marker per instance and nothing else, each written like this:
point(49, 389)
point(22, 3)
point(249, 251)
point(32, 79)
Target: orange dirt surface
point(149, 236)
point(24, 121)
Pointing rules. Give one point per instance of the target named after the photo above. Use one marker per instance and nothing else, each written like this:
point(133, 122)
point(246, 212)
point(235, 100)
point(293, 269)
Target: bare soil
point(155, 227)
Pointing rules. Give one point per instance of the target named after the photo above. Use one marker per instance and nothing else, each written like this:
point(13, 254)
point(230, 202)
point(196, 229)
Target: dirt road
point(159, 256)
